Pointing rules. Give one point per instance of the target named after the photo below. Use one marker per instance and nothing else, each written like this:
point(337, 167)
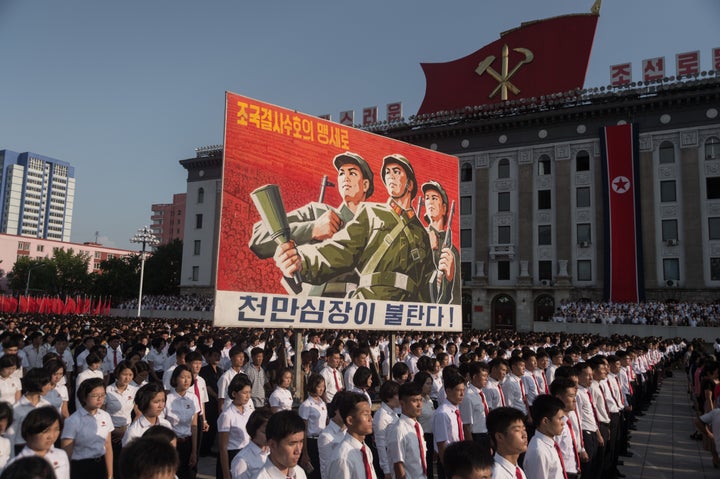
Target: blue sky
point(124, 90)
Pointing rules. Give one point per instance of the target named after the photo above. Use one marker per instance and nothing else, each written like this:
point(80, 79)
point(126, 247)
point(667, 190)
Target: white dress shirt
point(57, 458)
point(8, 387)
point(20, 410)
point(347, 461)
point(382, 420)
point(328, 440)
point(504, 469)
point(179, 411)
point(120, 404)
point(248, 462)
point(567, 445)
point(314, 411)
point(269, 471)
point(139, 426)
point(541, 459)
point(445, 426)
point(403, 446)
point(492, 393)
point(472, 409)
point(234, 422)
point(281, 398)
point(514, 393)
point(330, 375)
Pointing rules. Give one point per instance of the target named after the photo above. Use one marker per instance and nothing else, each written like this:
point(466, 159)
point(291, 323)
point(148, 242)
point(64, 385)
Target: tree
point(66, 273)
point(118, 277)
point(162, 269)
point(72, 275)
point(41, 271)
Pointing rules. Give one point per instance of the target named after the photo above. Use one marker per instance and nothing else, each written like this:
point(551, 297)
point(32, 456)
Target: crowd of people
point(646, 313)
point(702, 370)
point(183, 302)
point(83, 393)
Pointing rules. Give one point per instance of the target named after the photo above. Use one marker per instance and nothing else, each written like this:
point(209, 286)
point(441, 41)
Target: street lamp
point(27, 282)
point(146, 237)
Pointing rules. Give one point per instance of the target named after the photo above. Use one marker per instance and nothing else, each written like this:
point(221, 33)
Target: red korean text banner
point(270, 147)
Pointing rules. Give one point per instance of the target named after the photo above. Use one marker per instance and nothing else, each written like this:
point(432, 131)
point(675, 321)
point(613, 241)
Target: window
point(582, 196)
point(201, 195)
point(667, 153)
point(196, 247)
point(544, 199)
point(545, 270)
point(504, 201)
point(713, 188)
point(712, 148)
point(714, 228)
point(667, 191)
point(671, 269)
point(466, 172)
point(40, 248)
point(583, 233)
point(584, 270)
point(466, 238)
point(466, 270)
point(669, 230)
point(715, 269)
point(466, 205)
point(24, 245)
point(582, 161)
point(503, 235)
point(544, 235)
point(503, 270)
point(544, 165)
point(504, 168)
point(195, 273)
point(198, 221)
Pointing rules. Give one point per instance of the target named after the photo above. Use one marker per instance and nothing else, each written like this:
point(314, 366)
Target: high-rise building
point(37, 195)
point(168, 219)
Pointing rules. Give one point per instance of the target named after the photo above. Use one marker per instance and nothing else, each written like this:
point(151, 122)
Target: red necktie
point(617, 380)
point(197, 393)
point(461, 434)
point(562, 461)
point(502, 396)
point(518, 473)
point(547, 391)
point(577, 414)
point(604, 398)
point(592, 406)
point(368, 472)
point(487, 411)
point(575, 449)
point(524, 396)
point(420, 446)
point(337, 384)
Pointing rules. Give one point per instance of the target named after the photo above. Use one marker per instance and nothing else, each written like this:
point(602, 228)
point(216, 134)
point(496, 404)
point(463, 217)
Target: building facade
point(168, 219)
point(37, 195)
point(531, 202)
point(202, 220)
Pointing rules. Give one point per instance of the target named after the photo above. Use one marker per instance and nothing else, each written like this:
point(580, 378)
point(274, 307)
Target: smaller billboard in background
point(326, 226)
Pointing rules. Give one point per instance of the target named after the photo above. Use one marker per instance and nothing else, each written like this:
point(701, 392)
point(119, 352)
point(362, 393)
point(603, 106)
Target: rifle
point(419, 206)
point(437, 292)
point(324, 184)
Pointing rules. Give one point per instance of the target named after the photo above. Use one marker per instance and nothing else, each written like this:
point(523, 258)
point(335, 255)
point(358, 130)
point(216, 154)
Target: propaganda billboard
point(326, 226)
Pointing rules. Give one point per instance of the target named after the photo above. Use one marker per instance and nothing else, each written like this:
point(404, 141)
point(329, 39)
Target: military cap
point(402, 161)
point(354, 158)
point(434, 185)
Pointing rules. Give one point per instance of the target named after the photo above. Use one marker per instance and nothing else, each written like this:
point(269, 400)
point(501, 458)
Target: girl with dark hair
point(58, 395)
point(150, 401)
point(314, 412)
point(362, 380)
point(36, 384)
point(181, 410)
point(232, 432)
point(281, 399)
point(10, 387)
point(86, 435)
point(119, 404)
point(40, 429)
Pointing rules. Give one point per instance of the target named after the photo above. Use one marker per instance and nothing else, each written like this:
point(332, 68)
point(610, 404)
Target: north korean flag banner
point(621, 190)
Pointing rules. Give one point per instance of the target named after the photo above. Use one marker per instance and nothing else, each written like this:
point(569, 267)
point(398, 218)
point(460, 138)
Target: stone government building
point(531, 206)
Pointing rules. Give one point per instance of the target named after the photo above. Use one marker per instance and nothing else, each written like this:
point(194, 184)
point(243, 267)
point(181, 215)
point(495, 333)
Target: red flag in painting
point(621, 188)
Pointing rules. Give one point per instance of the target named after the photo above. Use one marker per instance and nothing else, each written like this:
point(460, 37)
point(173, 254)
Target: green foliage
point(162, 269)
point(66, 273)
point(118, 277)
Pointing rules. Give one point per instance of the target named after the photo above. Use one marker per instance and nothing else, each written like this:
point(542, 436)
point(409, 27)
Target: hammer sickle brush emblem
point(504, 77)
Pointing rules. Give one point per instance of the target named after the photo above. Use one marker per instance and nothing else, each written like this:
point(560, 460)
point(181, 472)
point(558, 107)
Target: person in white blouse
point(565, 389)
point(40, 430)
point(93, 363)
point(352, 458)
point(6, 415)
point(285, 431)
point(467, 459)
point(150, 401)
point(383, 420)
point(58, 395)
point(248, 462)
point(281, 398)
point(333, 434)
point(506, 426)
point(181, 411)
point(86, 434)
point(232, 423)
point(333, 377)
point(36, 384)
point(543, 459)
point(119, 403)
point(10, 387)
point(314, 412)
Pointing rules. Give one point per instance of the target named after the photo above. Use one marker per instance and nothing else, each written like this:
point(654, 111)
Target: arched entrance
point(503, 312)
point(544, 307)
point(467, 310)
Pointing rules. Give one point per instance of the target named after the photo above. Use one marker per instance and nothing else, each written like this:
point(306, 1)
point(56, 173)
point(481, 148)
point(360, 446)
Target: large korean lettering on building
point(326, 226)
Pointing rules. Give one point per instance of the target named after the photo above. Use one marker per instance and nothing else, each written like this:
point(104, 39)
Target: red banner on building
point(538, 58)
point(621, 188)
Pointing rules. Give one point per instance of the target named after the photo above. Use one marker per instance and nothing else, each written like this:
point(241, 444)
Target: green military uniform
point(386, 245)
point(302, 222)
